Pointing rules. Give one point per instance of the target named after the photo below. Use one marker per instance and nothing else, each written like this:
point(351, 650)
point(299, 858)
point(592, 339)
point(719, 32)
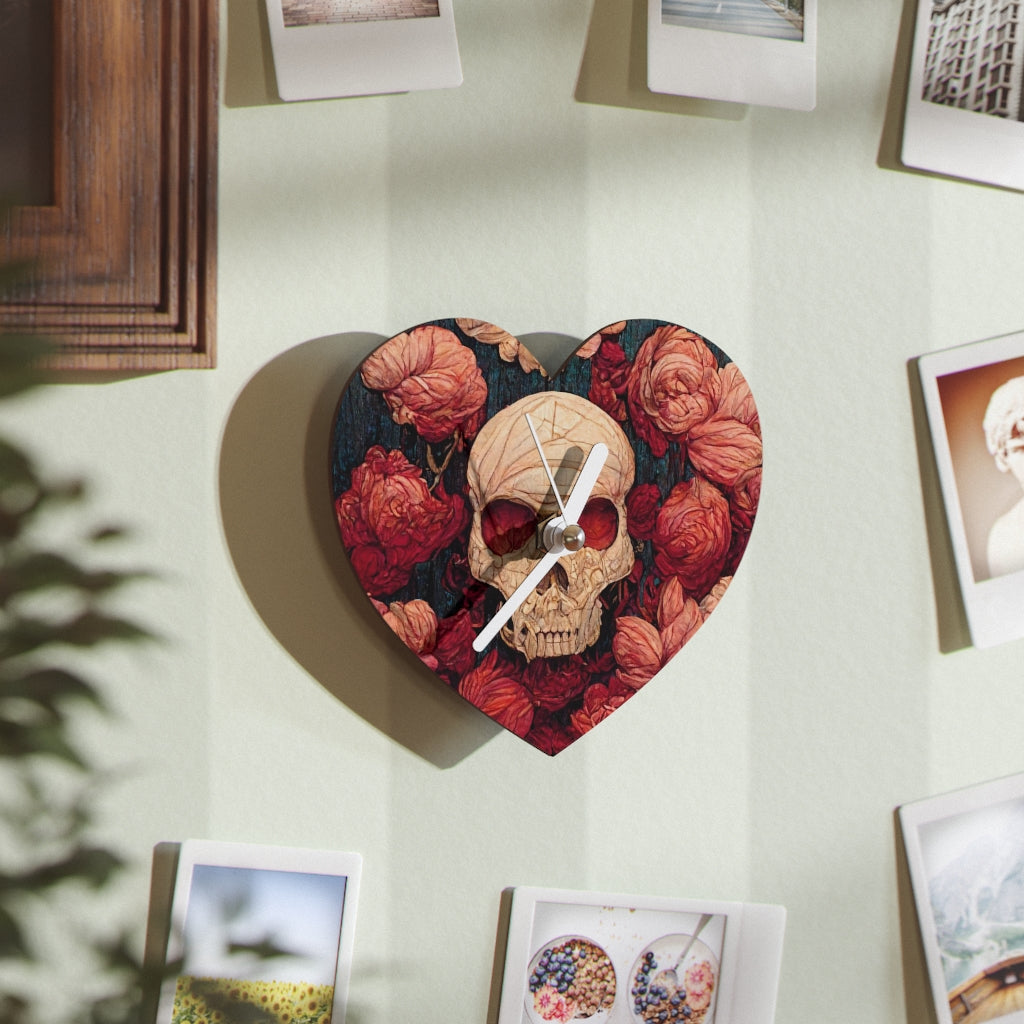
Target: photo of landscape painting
point(259, 945)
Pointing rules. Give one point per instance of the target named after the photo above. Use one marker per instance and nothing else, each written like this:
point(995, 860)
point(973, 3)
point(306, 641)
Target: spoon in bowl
point(668, 977)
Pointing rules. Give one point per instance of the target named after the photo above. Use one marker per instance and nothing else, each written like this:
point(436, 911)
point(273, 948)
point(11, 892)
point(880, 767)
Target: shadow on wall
point(613, 68)
point(613, 71)
point(279, 525)
point(917, 995)
point(951, 616)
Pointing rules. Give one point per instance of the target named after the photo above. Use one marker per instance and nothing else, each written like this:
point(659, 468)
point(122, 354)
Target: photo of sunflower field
point(259, 947)
point(228, 1000)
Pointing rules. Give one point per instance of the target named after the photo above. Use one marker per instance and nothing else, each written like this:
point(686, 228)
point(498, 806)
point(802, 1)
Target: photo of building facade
point(975, 56)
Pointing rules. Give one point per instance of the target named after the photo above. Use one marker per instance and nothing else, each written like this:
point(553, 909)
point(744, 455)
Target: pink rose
point(673, 386)
point(642, 648)
point(493, 687)
point(390, 522)
point(416, 624)
point(429, 379)
point(723, 449)
point(717, 592)
point(692, 535)
point(737, 401)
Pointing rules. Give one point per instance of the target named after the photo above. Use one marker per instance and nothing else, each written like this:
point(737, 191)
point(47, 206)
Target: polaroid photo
point(974, 399)
point(615, 959)
point(965, 107)
point(744, 51)
point(965, 852)
point(331, 48)
point(260, 933)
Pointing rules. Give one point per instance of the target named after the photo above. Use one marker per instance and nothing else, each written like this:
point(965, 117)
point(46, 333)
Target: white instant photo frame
point(261, 925)
point(741, 942)
point(363, 58)
point(708, 51)
point(944, 138)
point(974, 947)
point(958, 384)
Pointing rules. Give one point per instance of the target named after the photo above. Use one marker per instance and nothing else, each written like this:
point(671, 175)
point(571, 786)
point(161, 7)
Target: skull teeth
point(546, 643)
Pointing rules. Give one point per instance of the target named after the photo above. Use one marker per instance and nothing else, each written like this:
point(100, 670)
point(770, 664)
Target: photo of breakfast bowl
point(570, 978)
point(673, 981)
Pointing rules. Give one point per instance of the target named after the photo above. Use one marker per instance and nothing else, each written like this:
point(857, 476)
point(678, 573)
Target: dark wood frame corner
point(121, 265)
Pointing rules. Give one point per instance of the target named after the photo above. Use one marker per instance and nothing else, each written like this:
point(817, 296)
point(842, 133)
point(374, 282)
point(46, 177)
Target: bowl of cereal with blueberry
point(571, 978)
point(664, 990)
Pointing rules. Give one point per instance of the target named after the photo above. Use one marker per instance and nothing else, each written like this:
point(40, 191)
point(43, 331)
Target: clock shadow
point(278, 520)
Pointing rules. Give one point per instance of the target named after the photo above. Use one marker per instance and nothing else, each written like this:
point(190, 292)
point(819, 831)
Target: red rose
point(673, 386)
point(642, 648)
point(599, 702)
point(431, 380)
point(494, 689)
point(609, 377)
point(549, 735)
point(416, 624)
point(642, 510)
point(555, 685)
point(454, 650)
point(390, 522)
point(692, 535)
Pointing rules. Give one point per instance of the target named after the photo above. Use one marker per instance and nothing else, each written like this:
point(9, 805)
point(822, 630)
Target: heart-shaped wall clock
point(546, 544)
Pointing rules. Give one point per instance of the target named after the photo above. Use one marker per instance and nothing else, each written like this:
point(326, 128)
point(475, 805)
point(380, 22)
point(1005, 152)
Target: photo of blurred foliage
point(54, 606)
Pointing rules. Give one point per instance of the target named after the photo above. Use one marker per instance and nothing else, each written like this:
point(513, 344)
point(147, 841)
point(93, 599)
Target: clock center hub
point(573, 537)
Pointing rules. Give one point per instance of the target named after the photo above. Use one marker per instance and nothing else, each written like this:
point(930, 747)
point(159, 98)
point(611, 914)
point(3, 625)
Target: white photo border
point(208, 853)
point(750, 958)
point(364, 58)
point(731, 66)
point(992, 605)
point(912, 817)
point(950, 141)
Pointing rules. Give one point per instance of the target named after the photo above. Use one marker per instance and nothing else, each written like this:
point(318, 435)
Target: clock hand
point(547, 468)
point(553, 540)
point(516, 598)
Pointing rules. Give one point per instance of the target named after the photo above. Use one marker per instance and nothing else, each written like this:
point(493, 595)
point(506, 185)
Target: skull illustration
point(512, 499)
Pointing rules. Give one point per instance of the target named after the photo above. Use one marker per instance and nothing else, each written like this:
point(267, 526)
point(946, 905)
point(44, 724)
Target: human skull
point(512, 499)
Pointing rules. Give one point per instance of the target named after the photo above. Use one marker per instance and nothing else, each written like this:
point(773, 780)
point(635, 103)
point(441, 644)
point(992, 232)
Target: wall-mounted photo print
point(329, 48)
point(337, 12)
point(743, 51)
point(965, 103)
point(260, 935)
point(974, 397)
point(576, 956)
point(965, 852)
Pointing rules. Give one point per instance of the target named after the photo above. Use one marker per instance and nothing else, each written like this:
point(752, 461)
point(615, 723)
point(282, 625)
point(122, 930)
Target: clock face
point(546, 544)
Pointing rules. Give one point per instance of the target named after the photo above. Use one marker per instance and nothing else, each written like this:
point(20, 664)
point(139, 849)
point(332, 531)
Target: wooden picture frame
point(120, 261)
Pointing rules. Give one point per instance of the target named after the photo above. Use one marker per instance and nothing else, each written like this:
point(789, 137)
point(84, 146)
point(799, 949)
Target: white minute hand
point(573, 507)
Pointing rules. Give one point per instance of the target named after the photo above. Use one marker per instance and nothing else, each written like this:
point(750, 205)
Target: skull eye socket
point(507, 526)
point(600, 522)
